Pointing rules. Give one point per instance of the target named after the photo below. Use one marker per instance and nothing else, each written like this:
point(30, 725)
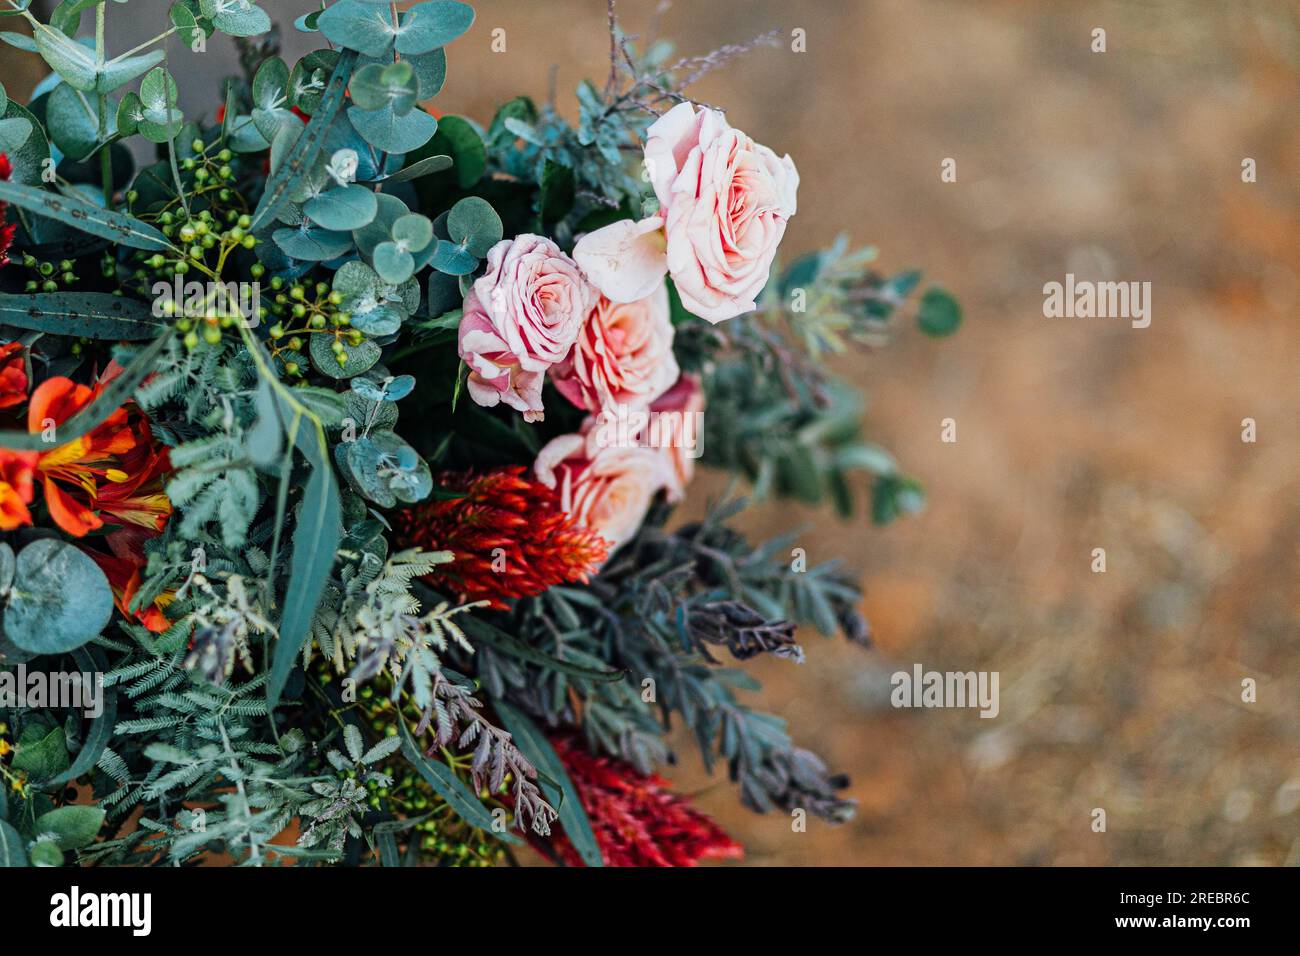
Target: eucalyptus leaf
point(427, 26)
point(385, 130)
point(343, 207)
point(95, 315)
point(60, 598)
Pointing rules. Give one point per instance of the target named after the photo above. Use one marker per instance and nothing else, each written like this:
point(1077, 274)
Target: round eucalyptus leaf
point(312, 244)
point(6, 567)
point(73, 124)
point(387, 131)
point(427, 26)
point(239, 18)
point(379, 321)
point(430, 72)
point(309, 78)
point(474, 224)
point(393, 263)
point(342, 208)
point(357, 358)
point(380, 228)
point(413, 232)
point(451, 258)
point(356, 26)
point(59, 598)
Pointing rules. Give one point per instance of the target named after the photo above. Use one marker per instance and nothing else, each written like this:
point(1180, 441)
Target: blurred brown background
point(1119, 690)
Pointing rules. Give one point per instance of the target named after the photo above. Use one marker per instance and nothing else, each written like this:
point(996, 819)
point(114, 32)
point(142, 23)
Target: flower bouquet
point(342, 440)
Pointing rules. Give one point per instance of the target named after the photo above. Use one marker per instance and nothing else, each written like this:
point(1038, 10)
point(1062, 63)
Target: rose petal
point(625, 260)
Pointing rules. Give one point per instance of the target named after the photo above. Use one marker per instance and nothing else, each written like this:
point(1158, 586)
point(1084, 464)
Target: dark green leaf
point(95, 315)
point(534, 745)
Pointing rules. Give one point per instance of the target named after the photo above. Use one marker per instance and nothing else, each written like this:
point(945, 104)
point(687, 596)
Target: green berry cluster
point(302, 309)
point(49, 276)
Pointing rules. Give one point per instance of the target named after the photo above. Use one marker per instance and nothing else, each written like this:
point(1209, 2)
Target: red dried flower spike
point(636, 821)
point(509, 535)
point(6, 231)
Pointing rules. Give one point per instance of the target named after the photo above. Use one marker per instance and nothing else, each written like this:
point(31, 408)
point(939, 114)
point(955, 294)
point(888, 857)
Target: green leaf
point(60, 598)
point(117, 72)
point(359, 358)
point(14, 132)
point(115, 226)
point(474, 225)
point(453, 259)
point(302, 155)
point(309, 78)
point(42, 753)
point(239, 18)
point(73, 827)
point(95, 414)
point(310, 243)
point(385, 130)
point(450, 787)
point(72, 122)
point(557, 192)
point(315, 542)
point(939, 314)
point(188, 27)
point(28, 160)
point(161, 120)
point(358, 26)
point(95, 315)
point(534, 745)
point(393, 263)
point(68, 58)
point(344, 207)
point(430, 164)
point(427, 26)
point(11, 847)
point(379, 87)
point(458, 139)
point(99, 734)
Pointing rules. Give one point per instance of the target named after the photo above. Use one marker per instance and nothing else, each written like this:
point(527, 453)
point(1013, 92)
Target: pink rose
point(678, 413)
point(520, 318)
point(623, 355)
point(606, 489)
point(724, 201)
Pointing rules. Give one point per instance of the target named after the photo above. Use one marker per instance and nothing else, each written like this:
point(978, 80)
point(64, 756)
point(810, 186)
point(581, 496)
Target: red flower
point(508, 533)
point(6, 231)
point(13, 371)
point(17, 469)
point(122, 568)
point(636, 821)
point(114, 474)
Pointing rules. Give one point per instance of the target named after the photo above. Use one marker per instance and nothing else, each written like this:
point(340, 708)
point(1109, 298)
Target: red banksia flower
point(6, 231)
point(635, 819)
point(508, 533)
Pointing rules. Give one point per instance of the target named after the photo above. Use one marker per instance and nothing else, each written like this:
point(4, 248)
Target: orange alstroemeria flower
point(112, 475)
point(122, 568)
point(13, 375)
point(17, 469)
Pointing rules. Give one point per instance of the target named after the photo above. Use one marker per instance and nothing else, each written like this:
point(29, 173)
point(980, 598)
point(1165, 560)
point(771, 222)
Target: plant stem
point(105, 151)
point(137, 49)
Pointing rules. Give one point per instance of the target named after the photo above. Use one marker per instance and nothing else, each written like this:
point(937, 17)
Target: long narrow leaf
point(95, 315)
point(85, 217)
point(315, 543)
point(450, 787)
point(101, 728)
point(303, 152)
point(534, 745)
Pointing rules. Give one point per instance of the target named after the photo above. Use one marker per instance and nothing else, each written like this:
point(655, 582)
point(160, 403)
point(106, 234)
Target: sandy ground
point(1120, 691)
